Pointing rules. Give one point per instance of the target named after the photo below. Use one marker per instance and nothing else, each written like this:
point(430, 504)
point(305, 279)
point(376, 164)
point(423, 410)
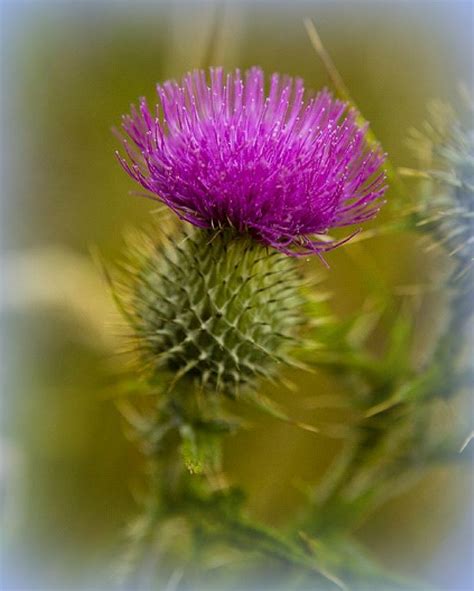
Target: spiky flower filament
point(280, 165)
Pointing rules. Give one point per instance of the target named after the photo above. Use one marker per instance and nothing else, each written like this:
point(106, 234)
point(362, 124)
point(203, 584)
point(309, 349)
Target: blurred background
point(69, 70)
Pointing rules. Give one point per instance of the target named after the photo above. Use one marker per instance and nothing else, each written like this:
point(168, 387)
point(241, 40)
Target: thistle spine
point(213, 307)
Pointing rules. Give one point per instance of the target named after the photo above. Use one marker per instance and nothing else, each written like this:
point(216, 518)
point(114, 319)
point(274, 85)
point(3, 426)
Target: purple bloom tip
point(280, 166)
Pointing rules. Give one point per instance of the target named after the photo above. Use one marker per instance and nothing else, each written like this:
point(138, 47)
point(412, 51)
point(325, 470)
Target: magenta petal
point(222, 152)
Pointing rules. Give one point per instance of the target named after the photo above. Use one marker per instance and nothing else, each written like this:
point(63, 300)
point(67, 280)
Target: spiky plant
point(212, 307)
point(445, 150)
point(215, 307)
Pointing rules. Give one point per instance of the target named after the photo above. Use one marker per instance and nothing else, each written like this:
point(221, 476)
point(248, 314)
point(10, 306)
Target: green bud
point(445, 149)
point(212, 306)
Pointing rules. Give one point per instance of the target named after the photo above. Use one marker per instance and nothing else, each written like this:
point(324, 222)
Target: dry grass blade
point(343, 92)
point(211, 45)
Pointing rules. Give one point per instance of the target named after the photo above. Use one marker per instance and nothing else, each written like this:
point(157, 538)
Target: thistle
point(282, 168)
point(445, 149)
point(214, 306)
point(259, 177)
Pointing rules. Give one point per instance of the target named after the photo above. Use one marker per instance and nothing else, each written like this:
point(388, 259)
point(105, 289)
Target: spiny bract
point(216, 307)
point(445, 149)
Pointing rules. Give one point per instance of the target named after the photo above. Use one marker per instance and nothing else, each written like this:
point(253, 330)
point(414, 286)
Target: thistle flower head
point(207, 306)
point(278, 166)
point(445, 149)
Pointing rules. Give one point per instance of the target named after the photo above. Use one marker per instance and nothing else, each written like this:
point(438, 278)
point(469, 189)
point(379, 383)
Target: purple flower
point(282, 167)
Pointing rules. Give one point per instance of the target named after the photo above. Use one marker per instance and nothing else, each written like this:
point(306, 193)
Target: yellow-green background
point(69, 70)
